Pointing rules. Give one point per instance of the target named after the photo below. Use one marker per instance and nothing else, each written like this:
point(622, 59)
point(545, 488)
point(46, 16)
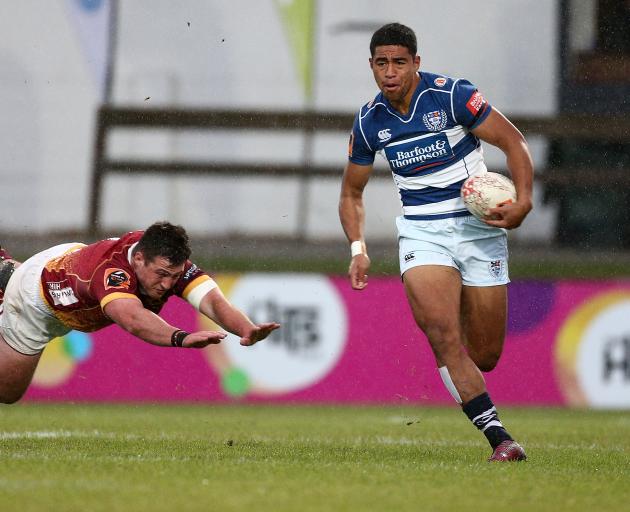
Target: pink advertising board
point(568, 343)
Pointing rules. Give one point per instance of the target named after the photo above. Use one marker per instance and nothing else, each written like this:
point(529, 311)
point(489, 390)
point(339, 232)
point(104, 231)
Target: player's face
point(156, 276)
point(395, 71)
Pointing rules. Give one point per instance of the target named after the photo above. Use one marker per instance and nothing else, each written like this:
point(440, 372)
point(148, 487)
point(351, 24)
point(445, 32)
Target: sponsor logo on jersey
point(435, 121)
point(496, 268)
point(384, 135)
point(61, 293)
point(117, 278)
point(475, 103)
point(190, 272)
point(440, 81)
point(434, 149)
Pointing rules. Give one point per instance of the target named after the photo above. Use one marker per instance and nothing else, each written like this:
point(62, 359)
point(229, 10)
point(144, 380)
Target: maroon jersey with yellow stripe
point(78, 284)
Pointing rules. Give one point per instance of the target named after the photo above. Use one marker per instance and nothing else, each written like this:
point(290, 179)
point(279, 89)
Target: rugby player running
point(454, 267)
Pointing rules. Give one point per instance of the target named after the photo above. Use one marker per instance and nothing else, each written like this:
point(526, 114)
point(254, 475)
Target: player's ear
point(416, 62)
point(371, 62)
point(138, 257)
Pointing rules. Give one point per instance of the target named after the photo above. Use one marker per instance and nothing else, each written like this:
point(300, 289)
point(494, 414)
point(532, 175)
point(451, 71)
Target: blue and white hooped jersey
point(430, 150)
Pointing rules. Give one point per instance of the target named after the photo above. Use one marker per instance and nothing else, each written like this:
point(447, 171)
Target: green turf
point(519, 268)
point(261, 458)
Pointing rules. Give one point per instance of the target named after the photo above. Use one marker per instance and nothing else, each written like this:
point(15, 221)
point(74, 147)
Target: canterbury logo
point(384, 135)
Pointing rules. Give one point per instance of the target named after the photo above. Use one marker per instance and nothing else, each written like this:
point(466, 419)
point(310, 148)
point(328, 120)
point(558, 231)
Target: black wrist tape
point(177, 338)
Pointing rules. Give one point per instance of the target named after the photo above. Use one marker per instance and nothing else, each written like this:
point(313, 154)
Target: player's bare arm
point(500, 132)
point(132, 316)
point(352, 216)
point(216, 307)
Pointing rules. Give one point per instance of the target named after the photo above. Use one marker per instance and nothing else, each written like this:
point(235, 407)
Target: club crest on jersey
point(496, 268)
point(384, 135)
point(435, 121)
point(117, 278)
point(440, 81)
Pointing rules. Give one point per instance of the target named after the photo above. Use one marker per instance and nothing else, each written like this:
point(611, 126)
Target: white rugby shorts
point(27, 322)
point(477, 250)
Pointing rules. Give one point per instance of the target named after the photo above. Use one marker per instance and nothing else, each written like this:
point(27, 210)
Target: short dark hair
point(166, 240)
point(394, 34)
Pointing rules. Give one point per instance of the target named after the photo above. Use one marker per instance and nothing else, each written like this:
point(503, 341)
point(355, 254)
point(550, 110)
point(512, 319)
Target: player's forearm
point(519, 162)
point(352, 217)
point(216, 307)
point(147, 326)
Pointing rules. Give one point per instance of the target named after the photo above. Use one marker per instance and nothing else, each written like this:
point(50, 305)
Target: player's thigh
point(434, 293)
point(483, 318)
point(16, 372)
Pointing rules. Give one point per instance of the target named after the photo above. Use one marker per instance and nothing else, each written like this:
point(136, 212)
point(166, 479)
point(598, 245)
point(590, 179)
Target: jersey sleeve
point(194, 284)
point(112, 282)
point(470, 108)
point(359, 151)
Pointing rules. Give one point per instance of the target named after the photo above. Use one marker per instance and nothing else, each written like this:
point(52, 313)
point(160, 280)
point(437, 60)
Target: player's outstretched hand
point(202, 339)
point(358, 270)
point(257, 333)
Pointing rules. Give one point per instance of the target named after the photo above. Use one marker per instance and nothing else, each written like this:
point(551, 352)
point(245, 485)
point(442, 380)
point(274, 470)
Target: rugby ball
point(483, 192)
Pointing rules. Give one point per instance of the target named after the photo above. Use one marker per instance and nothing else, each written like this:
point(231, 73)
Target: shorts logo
point(439, 81)
point(117, 278)
point(435, 121)
point(475, 103)
point(409, 256)
point(496, 268)
point(384, 135)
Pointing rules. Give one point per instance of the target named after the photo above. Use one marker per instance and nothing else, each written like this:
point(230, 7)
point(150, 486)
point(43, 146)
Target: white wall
point(47, 101)
point(211, 53)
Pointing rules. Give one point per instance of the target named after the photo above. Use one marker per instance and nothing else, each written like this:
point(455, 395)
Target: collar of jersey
point(412, 104)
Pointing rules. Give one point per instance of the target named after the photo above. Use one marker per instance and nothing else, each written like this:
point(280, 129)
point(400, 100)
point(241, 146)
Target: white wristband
point(356, 248)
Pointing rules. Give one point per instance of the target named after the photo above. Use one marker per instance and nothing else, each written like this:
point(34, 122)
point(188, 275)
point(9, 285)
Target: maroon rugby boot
point(508, 451)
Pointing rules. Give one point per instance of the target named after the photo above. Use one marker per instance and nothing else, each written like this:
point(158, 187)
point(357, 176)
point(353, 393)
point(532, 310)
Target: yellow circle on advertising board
point(591, 355)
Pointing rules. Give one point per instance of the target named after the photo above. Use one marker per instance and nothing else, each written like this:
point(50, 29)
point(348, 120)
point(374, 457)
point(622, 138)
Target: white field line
point(64, 434)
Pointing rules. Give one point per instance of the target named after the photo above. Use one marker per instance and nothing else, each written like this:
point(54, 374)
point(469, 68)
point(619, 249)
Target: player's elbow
point(128, 315)
point(133, 325)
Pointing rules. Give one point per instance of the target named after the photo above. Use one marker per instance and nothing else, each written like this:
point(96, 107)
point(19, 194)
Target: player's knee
point(443, 339)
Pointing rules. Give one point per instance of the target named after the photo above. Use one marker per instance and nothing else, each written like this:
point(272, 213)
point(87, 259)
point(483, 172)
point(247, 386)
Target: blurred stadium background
point(232, 118)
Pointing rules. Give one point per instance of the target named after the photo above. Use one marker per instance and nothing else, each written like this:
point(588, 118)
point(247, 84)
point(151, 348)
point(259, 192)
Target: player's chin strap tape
point(177, 338)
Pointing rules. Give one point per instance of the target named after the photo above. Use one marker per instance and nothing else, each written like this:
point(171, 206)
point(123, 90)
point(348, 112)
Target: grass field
point(554, 267)
point(263, 458)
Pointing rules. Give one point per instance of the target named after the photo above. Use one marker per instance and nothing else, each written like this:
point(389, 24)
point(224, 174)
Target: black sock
point(482, 412)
